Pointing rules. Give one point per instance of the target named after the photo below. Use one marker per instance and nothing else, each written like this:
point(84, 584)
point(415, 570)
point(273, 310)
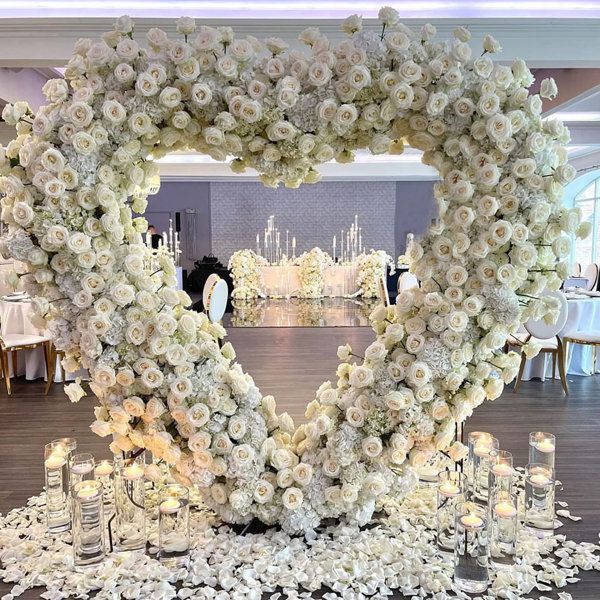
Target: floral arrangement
point(371, 268)
point(311, 273)
point(247, 314)
point(83, 163)
point(245, 272)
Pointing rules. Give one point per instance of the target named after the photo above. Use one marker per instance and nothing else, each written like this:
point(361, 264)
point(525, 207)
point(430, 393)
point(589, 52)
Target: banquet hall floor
point(291, 363)
point(300, 312)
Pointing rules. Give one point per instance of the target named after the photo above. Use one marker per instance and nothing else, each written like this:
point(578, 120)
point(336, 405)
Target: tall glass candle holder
point(471, 552)
point(81, 468)
point(542, 448)
point(130, 511)
point(471, 441)
point(174, 526)
point(71, 446)
point(70, 443)
point(103, 472)
point(451, 491)
point(501, 472)
point(89, 545)
point(539, 499)
point(57, 503)
point(503, 528)
point(482, 449)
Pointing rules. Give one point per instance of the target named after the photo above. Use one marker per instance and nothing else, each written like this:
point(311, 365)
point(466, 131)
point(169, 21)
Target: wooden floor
point(291, 363)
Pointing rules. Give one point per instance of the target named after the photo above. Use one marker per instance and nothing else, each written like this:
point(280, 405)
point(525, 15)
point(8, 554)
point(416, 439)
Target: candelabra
point(170, 241)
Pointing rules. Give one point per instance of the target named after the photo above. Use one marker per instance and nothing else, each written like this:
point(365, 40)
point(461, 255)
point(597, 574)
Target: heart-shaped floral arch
point(83, 164)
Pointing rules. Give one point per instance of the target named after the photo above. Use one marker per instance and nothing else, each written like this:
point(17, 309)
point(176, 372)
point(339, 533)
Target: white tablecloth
point(584, 315)
point(339, 280)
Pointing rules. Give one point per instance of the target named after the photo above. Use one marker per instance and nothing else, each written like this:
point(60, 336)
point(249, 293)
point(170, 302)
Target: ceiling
point(299, 9)
point(558, 39)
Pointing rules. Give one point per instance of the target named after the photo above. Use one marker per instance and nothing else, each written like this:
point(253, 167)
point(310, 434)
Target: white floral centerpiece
point(244, 266)
point(86, 160)
point(312, 272)
point(371, 268)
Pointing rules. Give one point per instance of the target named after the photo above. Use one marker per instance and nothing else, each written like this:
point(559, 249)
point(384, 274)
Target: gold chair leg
point(554, 355)
point(14, 357)
point(593, 359)
point(48, 354)
point(520, 375)
point(6, 369)
point(562, 359)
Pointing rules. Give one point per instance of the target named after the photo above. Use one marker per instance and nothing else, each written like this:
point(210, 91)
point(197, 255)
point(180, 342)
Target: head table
point(283, 280)
point(584, 315)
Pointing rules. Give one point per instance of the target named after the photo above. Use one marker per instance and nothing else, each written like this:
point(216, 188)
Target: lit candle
point(505, 510)
point(545, 446)
point(471, 521)
point(449, 489)
point(104, 468)
point(81, 468)
point(502, 470)
point(170, 505)
point(133, 472)
point(88, 491)
point(482, 448)
point(539, 479)
point(55, 460)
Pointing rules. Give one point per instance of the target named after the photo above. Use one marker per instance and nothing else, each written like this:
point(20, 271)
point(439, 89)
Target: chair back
point(217, 301)
point(576, 269)
point(406, 281)
point(208, 286)
point(544, 331)
point(591, 274)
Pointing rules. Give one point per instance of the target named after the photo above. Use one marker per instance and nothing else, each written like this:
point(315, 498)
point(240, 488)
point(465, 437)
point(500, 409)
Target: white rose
point(372, 446)
point(388, 16)
point(292, 498)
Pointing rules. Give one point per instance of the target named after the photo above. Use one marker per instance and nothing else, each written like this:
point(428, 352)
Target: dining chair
point(584, 338)
point(591, 274)
point(576, 270)
point(12, 343)
point(216, 300)
point(548, 337)
point(406, 281)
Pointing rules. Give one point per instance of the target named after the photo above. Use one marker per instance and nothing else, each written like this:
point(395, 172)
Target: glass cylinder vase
point(174, 526)
point(542, 448)
point(130, 511)
point(503, 528)
point(451, 491)
point(482, 449)
point(81, 468)
point(103, 472)
point(500, 472)
point(471, 441)
point(89, 545)
point(471, 551)
point(57, 503)
point(539, 499)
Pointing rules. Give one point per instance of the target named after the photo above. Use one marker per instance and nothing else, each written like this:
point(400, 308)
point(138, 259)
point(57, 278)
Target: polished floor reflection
point(301, 312)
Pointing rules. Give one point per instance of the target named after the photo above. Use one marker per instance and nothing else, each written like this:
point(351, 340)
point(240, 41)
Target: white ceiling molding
point(36, 42)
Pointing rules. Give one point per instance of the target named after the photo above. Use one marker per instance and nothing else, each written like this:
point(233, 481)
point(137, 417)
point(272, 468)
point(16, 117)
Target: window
point(588, 251)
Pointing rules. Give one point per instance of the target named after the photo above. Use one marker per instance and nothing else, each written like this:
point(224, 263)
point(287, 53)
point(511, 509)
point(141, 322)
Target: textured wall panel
point(312, 213)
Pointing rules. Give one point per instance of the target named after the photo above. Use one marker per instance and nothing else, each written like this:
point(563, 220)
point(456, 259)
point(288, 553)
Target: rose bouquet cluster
point(312, 272)
point(371, 268)
point(79, 168)
point(244, 266)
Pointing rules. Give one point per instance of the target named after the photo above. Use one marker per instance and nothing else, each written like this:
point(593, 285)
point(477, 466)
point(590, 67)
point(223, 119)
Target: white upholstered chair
point(591, 274)
point(585, 338)
point(406, 281)
point(12, 343)
point(216, 300)
point(576, 270)
point(547, 336)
